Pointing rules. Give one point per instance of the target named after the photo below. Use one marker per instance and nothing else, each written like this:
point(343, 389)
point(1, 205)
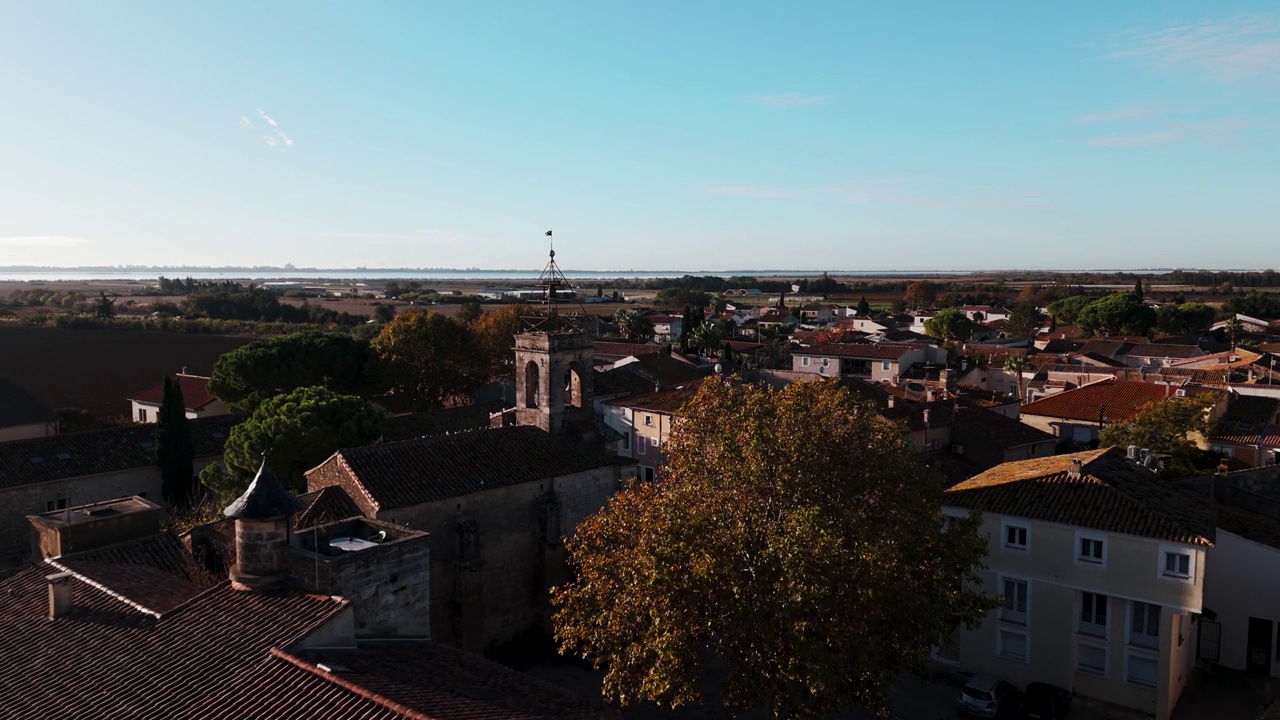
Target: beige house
point(645, 422)
point(867, 361)
point(1100, 570)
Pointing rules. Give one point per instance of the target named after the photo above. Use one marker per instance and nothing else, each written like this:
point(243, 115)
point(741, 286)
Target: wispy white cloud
point(1135, 111)
point(42, 241)
point(276, 138)
point(1214, 132)
point(1226, 49)
point(747, 191)
point(789, 99)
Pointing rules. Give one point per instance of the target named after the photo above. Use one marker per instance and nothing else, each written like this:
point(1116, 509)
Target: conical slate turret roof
point(265, 498)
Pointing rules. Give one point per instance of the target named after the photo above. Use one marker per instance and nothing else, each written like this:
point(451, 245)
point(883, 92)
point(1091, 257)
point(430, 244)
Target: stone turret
point(263, 517)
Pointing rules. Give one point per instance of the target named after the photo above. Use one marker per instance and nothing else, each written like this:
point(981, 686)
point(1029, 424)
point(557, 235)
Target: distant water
point(361, 275)
point(78, 275)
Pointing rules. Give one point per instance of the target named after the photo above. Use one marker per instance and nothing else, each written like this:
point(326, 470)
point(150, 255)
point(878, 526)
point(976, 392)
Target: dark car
point(1041, 701)
point(987, 696)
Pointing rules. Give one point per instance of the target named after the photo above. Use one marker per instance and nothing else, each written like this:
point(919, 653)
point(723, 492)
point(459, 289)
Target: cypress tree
point(175, 449)
point(1137, 290)
point(864, 307)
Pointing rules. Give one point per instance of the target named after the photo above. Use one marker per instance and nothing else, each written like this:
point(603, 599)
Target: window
point(648, 421)
point(1015, 537)
point(885, 366)
point(826, 362)
point(1141, 670)
point(626, 442)
point(1093, 614)
point(641, 444)
point(1014, 607)
point(1012, 645)
point(1091, 549)
point(805, 361)
point(1144, 625)
point(1177, 564)
point(59, 504)
point(1092, 658)
point(647, 473)
point(142, 415)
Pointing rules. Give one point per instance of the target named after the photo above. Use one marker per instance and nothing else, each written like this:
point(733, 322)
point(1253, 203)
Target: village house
point(1249, 430)
point(815, 314)
point(61, 471)
point(1100, 567)
point(645, 422)
point(22, 416)
point(1079, 415)
point(984, 313)
point(868, 361)
point(987, 439)
point(667, 328)
point(145, 405)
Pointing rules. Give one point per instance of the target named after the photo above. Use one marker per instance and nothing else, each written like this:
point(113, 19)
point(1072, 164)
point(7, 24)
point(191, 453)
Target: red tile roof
point(379, 681)
point(1166, 350)
point(411, 472)
point(618, 350)
point(1249, 419)
point(108, 659)
point(1111, 494)
point(1119, 400)
point(663, 401)
point(195, 392)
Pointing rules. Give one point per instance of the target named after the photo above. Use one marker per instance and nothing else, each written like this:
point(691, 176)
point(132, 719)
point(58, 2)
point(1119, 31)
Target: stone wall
point(495, 554)
point(388, 585)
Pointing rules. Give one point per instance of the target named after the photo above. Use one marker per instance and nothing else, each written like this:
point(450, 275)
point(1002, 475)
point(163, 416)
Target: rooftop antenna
point(554, 284)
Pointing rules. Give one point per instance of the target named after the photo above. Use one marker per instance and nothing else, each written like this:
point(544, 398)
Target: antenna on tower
point(555, 286)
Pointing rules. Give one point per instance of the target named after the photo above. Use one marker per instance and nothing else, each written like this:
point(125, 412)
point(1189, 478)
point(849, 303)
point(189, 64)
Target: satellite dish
point(719, 368)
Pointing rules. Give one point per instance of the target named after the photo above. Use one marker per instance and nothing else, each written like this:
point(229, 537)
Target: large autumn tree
point(430, 357)
point(793, 537)
point(495, 334)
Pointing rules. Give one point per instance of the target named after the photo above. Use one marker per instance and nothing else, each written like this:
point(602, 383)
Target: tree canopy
point(1191, 317)
point(297, 430)
point(633, 324)
point(1024, 322)
point(1118, 314)
point(1169, 429)
point(246, 376)
point(793, 536)
point(920, 294)
point(949, 324)
point(1066, 310)
point(494, 335)
point(430, 357)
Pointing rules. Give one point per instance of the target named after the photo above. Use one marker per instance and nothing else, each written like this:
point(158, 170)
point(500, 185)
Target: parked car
point(987, 696)
point(1042, 701)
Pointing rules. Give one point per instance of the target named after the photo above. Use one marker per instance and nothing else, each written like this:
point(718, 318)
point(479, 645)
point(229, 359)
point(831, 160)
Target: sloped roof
point(264, 498)
point(663, 401)
point(1165, 350)
point(618, 350)
point(869, 351)
point(1248, 420)
point(1119, 400)
point(666, 370)
point(412, 472)
point(59, 457)
point(19, 407)
point(999, 429)
point(108, 659)
point(441, 420)
point(1112, 494)
point(195, 392)
point(381, 681)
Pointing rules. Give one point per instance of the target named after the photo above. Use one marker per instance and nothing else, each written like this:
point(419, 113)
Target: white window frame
point(1106, 656)
point(1129, 654)
point(1005, 526)
point(885, 366)
point(648, 420)
point(1025, 621)
point(805, 360)
point(1108, 614)
point(1165, 552)
point(826, 362)
point(1129, 627)
point(1026, 643)
point(626, 442)
point(642, 445)
point(1081, 558)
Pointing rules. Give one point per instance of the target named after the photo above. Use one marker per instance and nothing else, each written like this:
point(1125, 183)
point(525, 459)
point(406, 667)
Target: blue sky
point(656, 135)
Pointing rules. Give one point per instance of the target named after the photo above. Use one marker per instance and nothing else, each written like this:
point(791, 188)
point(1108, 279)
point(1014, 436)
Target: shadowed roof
point(427, 469)
point(265, 498)
point(1111, 494)
point(1120, 400)
point(19, 407)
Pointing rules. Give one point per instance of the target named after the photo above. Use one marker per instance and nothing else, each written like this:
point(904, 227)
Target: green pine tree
point(175, 449)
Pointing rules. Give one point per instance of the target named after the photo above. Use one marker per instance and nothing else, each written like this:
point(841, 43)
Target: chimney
point(59, 594)
point(889, 401)
point(263, 516)
point(1077, 469)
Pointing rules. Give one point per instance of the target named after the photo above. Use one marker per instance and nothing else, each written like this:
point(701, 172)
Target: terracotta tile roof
point(441, 420)
point(1088, 358)
point(1165, 350)
point(869, 351)
point(663, 401)
point(666, 370)
point(58, 457)
point(620, 381)
point(108, 659)
point(619, 350)
point(1248, 524)
point(18, 407)
point(195, 392)
point(1107, 348)
point(981, 397)
point(411, 472)
point(419, 680)
point(941, 413)
point(1119, 400)
point(998, 429)
point(1112, 494)
point(149, 589)
point(1062, 346)
point(1249, 419)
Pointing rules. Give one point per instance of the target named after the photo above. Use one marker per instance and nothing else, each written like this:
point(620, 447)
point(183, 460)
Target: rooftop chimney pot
point(1077, 468)
point(59, 594)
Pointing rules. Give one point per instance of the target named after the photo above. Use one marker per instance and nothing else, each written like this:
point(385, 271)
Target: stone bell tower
point(553, 362)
